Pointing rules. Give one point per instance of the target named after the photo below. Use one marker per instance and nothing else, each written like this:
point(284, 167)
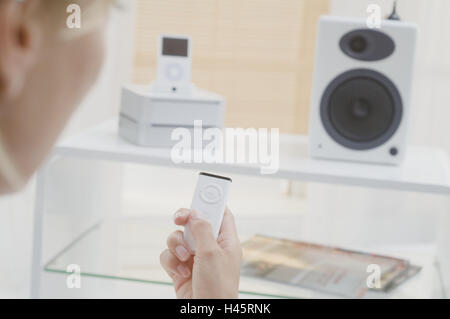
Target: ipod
point(210, 200)
point(174, 64)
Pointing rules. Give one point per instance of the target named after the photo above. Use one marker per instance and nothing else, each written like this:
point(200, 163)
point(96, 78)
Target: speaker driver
point(361, 109)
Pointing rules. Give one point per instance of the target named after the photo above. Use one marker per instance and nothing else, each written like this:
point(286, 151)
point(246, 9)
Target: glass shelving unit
point(107, 206)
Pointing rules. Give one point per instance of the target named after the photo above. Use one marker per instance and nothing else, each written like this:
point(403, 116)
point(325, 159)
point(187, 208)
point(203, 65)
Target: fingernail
point(182, 253)
point(180, 213)
point(183, 270)
point(196, 215)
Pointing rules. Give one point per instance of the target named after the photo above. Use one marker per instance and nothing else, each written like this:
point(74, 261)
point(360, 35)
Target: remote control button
point(211, 193)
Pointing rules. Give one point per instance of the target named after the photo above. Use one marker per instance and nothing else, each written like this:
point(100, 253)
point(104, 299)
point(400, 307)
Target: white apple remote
point(210, 200)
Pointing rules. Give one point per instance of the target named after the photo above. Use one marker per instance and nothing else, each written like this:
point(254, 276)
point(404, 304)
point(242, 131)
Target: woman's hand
point(214, 270)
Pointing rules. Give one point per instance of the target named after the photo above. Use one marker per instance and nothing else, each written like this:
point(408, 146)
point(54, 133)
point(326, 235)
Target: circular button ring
point(211, 193)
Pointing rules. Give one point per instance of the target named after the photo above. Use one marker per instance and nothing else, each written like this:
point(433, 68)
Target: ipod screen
point(175, 47)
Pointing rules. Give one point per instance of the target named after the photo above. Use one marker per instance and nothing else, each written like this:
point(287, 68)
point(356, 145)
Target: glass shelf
point(128, 249)
point(136, 218)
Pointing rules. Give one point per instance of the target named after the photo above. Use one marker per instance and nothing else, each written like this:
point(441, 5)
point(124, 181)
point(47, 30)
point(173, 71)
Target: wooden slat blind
point(257, 53)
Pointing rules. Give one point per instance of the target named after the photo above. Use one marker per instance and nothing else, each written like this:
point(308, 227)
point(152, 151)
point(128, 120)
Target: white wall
point(16, 212)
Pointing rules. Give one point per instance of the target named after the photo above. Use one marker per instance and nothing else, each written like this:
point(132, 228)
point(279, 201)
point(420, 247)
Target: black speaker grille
point(361, 109)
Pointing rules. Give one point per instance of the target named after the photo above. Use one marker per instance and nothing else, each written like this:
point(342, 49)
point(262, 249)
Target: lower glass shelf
point(129, 249)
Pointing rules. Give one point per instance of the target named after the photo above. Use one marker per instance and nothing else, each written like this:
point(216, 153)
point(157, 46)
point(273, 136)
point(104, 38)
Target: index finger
point(181, 216)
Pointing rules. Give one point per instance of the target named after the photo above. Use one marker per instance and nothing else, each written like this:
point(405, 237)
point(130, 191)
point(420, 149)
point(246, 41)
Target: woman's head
point(45, 70)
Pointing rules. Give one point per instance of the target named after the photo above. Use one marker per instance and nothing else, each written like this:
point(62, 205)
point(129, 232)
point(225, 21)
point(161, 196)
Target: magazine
point(324, 268)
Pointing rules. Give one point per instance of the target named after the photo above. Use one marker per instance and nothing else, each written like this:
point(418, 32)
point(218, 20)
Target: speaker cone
point(361, 109)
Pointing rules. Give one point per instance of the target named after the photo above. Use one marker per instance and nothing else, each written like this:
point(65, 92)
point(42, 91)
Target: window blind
point(257, 53)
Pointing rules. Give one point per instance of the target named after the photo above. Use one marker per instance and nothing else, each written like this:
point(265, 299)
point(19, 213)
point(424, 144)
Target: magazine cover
point(324, 268)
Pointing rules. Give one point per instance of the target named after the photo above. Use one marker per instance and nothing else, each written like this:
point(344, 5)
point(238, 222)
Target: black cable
point(394, 15)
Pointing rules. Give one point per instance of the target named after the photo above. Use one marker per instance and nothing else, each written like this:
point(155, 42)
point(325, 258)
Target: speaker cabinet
point(361, 91)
